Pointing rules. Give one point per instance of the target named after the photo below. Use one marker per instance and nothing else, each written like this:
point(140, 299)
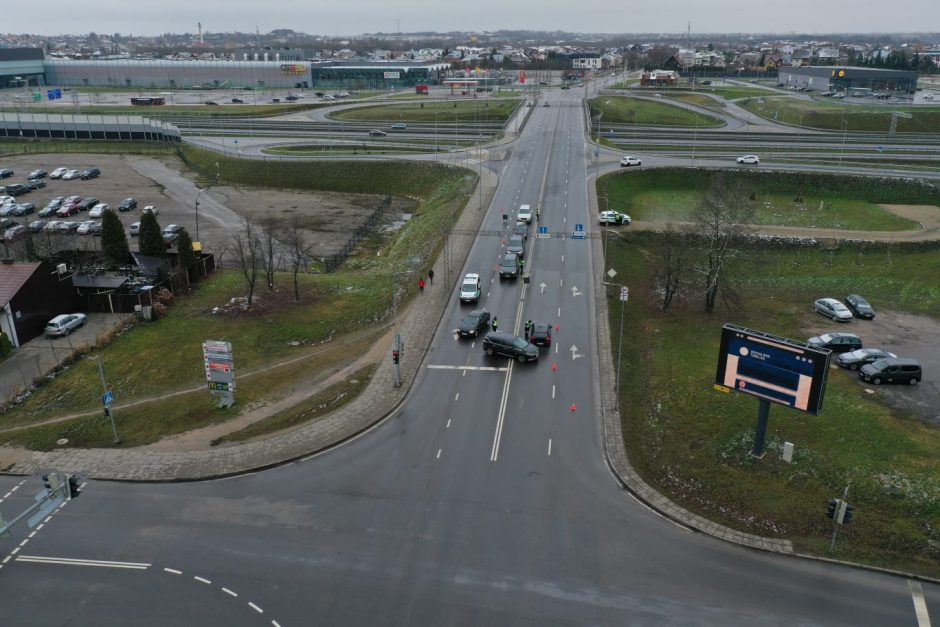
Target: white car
point(72, 174)
point(613, 217)
point(832, 308)
point(525, 214)
point(151, 209)
point(52, 226)
point(470, 288)
point(64, 324)
point(98, 209)
point(748, 159)
point(84, 227)
point(135, 229)
point(628, 161)
point(57, 173)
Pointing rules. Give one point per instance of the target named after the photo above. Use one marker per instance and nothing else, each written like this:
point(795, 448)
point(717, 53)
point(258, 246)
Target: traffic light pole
point(61, 488)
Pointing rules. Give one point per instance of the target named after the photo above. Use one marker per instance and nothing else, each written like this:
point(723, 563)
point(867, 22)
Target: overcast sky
point(336, 17)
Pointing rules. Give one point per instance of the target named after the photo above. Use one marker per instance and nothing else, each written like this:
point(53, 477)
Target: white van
point(525, 214)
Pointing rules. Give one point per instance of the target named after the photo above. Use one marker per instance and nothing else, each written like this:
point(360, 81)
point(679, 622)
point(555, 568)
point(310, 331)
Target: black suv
point(15, 189)
point(87, 204)
point(474, 323)
point(498, 343)
point(837, 342)
point(892, 370)
point(509, 266)
point(860, 307)
point(127, 204)
point(90, 173)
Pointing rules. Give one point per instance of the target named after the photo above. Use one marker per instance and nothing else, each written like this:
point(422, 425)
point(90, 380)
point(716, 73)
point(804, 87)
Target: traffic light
point(394, 356)
point(107, 412)
point(849, 514)
point(831, 508)
point(46, 481)
point(74, 486)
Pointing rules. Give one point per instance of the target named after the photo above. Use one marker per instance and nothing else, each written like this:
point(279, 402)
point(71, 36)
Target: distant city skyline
point(371, 16)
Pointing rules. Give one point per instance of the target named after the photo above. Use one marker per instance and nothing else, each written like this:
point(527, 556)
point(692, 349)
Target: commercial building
point(376, 75)
point(851, 80)
point(159, 73)
point(20, 67)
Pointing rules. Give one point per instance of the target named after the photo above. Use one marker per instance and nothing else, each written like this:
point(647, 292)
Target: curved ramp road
point(484, 500)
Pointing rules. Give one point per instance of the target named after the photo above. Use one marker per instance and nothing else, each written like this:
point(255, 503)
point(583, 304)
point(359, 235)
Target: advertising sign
point(395, 75)
point(220, 370)
point(293, 68)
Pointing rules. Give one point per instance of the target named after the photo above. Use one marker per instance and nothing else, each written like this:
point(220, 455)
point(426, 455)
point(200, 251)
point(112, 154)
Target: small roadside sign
point(579, 227)
point(624, 294)
point(543, 232)
point(107, 398)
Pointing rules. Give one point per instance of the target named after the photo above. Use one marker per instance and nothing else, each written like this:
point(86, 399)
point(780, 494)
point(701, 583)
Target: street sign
point(624, 294)
point(220, 370)
point(579, 227)
point(543, 232)
point(107, 398)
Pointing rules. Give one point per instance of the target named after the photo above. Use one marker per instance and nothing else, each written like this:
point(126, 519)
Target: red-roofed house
point(30, 295)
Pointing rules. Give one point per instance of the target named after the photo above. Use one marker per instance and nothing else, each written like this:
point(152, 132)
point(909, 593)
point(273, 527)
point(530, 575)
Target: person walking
point(431, 276)
point(538, 214)
point(528, 329)
point(421, 285)
point(495, 323)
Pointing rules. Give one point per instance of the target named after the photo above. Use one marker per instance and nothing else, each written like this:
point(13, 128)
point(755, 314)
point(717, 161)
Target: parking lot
point(905, 335)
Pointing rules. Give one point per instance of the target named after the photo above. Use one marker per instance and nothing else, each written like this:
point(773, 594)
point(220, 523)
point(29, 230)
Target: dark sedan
point(474, 323)
point(127, 204)
point(541, 334)
point(37, 174)
point(860, 307)
point(856, 359)
point(837, 342)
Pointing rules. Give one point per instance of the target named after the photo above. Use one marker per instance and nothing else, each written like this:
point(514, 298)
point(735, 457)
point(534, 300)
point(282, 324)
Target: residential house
point(31, 294)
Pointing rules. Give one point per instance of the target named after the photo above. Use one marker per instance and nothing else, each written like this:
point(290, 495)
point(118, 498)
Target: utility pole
point(106, 398)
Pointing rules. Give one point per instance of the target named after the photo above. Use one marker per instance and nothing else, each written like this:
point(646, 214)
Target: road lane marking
point(67, 561)
point(173, 571)
point(229, 592)
point(456, 397)
point(553, 391)
point(503, 402)
point(439, 453)
point(447, 426)
point(255, 607)
point(549, 447)
point(920, 605)
point(203, 580)
point(480, 368)
point(559, 312)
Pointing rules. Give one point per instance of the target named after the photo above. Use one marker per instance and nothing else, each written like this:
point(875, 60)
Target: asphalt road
point(484, 501)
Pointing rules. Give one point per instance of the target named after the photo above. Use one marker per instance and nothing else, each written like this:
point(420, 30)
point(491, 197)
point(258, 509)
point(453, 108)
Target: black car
point(859, 307)
point(16, 189)
point(5, 173)
point(212, 103)
point(474, 323)
point(521, 228)
point(35, 183)
point(90, 173)
point(87, 203)
point(509, 266)
point(6, 223)
point(541, 334)
point(237, 101)
point(24, 208)
point(892, 370)
point(516, 246)
point(36, 226)
point(498, 343)
point(837, 342)
point(856, 359)
point(127, 204)
point(37, 174)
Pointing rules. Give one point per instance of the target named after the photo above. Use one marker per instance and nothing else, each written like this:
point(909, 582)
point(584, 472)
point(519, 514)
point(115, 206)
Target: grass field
point(830, 115)
point(223, 110)
point(626, 110)
point(660, 195)
point(693, 442)
point(482, 110)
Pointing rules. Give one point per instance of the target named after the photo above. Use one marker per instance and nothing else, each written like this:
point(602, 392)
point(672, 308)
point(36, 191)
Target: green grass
point(198, 110)
point(830, 115)
point(671, 195)
point(693, 442)
point(696, 99)
point(625, 110)
point(16, 147)
point(483, 110)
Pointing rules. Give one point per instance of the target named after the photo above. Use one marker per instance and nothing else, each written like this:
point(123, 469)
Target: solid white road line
point(480, 368)
point(255, 607)
point(173, 571)
point(503, 402)
point(920, 605)
point(36, 559)
point(229, 592)
point(553, 391)
point(203, 580)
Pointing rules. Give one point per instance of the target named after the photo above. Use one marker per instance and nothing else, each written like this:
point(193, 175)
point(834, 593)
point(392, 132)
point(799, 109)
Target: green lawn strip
point(671, 194)
point(697, 99)
point(830, 115)
point(317, 406)
point(693, 442)
point(462, 111)
point(626, 110)
point(223, 110)
point(17, 147)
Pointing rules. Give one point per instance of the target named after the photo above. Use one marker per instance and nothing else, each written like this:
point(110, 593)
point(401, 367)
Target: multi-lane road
point(484, 500)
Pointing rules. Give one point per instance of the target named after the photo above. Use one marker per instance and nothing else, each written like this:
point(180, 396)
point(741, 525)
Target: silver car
point(832, 308)
point(64, 324)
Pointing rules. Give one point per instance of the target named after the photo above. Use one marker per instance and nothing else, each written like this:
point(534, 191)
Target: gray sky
point(335, 17)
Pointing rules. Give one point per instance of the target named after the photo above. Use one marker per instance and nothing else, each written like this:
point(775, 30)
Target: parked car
point(832, 308)
point(134, 228)
point(97, 210)
point(127, 204)
point(541, 334)
point(172, 229)
point(6, 223)
point(377, 133)
point(7, 209)
point(36, 226)
point(892, 370)
point(470, 289)
point(37, 174)
point(237, 101)
point(860, 307)
point(5, 173)
point(152, 209)
point(524, 214)
point(17, 189)
point(87, 203)
point(627, 161)
point(521, 229)
point(837, 342)
point(52, 226)
point(35, 183)
point(47, 212)
point(499, 343)
point(612, 217)
point(291, 98)
point(95, 228)
point(23, 209)
point(516, 245)
point(67, 210)
point(71, 200)
point(71, 175)
point(854, 360)
point(170, 238)
point(68, 227)
point(748, 159)
point(212, 103)
point(474, 323)
point(399, 126)
point(64, 324)
point(15, 232)
point(83, 228)
point(509, 266)
point(58, 172)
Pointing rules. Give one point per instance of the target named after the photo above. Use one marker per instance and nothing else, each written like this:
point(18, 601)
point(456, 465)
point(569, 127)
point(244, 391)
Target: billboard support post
point(763, 412)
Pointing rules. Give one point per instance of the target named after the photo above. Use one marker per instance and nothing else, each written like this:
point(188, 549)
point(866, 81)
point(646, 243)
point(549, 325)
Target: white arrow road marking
point(542, 287)
point(574, 352)
point(575, 291)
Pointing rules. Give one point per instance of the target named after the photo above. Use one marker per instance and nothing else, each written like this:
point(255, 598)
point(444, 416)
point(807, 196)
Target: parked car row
point(874, 365)
point(858, 307)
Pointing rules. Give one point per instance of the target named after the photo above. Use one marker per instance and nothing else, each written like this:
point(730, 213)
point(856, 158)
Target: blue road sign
point(543, 232)
point(578, 227)
point(57, 93)
point(578, 235)
point(543, 229)
point(107, 398)
point(51, 94)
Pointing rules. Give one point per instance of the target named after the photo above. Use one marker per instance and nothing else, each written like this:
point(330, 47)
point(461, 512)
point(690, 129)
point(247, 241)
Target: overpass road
point(484, 500)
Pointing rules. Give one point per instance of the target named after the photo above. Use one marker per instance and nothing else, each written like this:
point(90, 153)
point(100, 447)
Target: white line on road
point(227, 591)
point(556, 348)
point(480, 368)
point(920, 605)
point(24, 542)
point(503, 402)
point(447, 426)
point(15, 551)
point(255, 607)
point(563, 259)
point(549, 447)
point(561, 282)
point(31, 534)
point(553, 391)
point(36, 559)
point(7, 559)
point(559, 312)
point(173, 571)
point(439, 453)
point(274, 623)
point(456, 396)
point(203, 580)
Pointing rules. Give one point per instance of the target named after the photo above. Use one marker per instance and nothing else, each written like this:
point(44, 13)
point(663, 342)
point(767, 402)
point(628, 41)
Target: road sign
point(577, 235)
point(107, 398)
point(624, 294)
point(220, 370)
point(543, 232)
point(578, 227)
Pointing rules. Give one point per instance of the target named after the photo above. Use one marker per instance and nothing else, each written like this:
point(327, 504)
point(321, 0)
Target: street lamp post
point(201, 190)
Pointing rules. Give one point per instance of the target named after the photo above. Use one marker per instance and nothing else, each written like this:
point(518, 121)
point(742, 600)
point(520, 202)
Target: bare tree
point(721, 218)
point(297, 251)
point(673, 259)
point(247, 247)
point(270, 227)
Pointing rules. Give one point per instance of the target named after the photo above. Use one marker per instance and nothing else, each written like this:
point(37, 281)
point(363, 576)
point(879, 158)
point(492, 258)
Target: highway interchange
point(485, 499)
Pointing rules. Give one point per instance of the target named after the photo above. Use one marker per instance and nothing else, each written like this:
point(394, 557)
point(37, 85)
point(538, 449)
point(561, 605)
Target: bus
point(148, 102)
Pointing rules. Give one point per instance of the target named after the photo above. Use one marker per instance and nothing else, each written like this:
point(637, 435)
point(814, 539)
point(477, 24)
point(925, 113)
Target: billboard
point(773, 368)
point(395, 75)
point(293, 68)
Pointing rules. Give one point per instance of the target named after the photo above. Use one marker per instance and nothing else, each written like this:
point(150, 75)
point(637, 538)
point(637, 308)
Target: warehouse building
point(854, 81)
point(21, 67)
point(376, 75)
point(159, 73)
